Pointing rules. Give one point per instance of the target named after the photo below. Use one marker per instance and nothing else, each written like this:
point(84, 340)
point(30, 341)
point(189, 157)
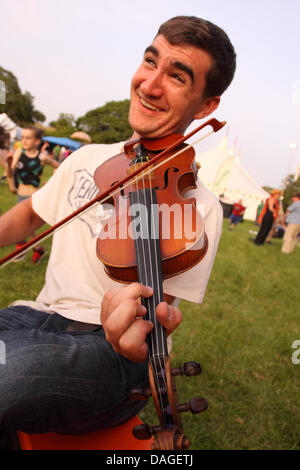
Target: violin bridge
point(148, 174)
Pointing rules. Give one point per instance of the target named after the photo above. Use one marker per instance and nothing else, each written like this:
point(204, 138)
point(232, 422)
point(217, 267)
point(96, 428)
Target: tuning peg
point(189, 369)
point(144, 431)
point(194, 405)
point(139, 394)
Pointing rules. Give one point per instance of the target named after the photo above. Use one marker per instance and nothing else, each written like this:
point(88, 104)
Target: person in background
point(5, 152)
point(62, 153)
point(278, 225)
point(56, 152)
point(258, 211)
point(236, 214)
point(293, 225)
point(27, 167)
point(268, 216)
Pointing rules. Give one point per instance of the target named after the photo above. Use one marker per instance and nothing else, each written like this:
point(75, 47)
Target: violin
point(134, 247)
point(143, 185)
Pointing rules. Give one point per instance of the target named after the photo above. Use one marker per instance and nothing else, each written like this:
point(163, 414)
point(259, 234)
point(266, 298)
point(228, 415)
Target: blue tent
point(63, 141)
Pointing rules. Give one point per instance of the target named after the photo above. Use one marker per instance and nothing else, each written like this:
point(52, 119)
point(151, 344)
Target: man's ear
point(208, 106)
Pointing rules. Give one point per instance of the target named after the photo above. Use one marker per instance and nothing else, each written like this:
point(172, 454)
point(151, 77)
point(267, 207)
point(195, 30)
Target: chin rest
point(115, 438)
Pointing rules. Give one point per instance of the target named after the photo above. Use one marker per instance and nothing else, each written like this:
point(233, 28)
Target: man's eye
point(150, 61)
point(178, 77)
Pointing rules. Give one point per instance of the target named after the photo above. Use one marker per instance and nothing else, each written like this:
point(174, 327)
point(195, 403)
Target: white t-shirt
point(75, 278)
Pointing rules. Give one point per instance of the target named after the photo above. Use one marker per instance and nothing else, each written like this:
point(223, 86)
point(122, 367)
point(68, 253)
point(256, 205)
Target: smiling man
point(74, 353)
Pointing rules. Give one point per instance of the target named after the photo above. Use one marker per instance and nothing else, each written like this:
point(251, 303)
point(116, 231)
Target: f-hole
point(166, 176)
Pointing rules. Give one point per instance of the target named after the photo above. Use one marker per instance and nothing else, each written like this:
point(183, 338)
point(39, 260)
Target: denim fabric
point(56, 378)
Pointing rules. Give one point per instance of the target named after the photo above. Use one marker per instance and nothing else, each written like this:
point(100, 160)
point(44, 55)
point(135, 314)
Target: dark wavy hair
point(212, 39)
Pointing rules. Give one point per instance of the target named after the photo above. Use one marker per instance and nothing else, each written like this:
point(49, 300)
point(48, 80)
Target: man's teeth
point(148, 105)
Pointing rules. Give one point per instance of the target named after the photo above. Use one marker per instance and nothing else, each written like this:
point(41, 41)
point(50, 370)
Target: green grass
point(241, 334)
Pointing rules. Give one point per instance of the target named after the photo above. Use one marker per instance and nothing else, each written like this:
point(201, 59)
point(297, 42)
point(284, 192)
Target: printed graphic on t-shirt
point(82, 191)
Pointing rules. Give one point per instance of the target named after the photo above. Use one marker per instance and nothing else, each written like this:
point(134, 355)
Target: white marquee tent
point(222, 173)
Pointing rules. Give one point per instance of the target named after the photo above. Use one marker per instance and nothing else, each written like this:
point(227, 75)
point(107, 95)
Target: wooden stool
point(115, 438)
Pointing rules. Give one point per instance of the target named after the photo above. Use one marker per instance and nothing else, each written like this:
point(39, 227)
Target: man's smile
point(148, 105)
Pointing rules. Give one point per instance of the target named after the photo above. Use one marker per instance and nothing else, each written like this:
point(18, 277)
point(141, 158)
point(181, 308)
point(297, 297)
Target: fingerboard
point(145, 224)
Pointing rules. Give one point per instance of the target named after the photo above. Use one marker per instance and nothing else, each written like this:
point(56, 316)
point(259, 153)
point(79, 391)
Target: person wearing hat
point(293, 225)
point(268, 216)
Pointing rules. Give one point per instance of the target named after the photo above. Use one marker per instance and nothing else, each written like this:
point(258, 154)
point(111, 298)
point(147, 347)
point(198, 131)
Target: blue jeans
point(58, 378)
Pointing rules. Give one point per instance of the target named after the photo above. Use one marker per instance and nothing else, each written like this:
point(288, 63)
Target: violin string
point(158, 326)
point(145, 274)
point(155, 231)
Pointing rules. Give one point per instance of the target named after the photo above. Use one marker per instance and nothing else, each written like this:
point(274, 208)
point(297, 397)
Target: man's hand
point(122, 320)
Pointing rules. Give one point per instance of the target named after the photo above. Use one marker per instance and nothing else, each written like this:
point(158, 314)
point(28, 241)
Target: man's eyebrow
point(184, 68)
point(153, 50)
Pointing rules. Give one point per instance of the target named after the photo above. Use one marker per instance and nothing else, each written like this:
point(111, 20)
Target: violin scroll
point(169, 434)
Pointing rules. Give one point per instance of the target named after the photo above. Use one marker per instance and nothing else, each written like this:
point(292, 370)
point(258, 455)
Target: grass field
point(242, 335)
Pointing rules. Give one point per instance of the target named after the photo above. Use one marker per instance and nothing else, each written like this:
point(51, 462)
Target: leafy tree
point(38, 116)
point(108, 123)
point(64, 125)
point(64, 120)
point(19, 106)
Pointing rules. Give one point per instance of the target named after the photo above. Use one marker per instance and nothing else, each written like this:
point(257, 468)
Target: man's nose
point(153, 85)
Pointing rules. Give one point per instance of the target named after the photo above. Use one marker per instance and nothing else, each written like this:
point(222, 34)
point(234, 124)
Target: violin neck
point(143, 204)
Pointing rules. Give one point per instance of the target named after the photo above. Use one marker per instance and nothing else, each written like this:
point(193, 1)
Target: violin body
point(183, 242)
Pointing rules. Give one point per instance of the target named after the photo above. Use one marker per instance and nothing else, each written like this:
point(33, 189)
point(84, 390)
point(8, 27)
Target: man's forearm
point(19, 222)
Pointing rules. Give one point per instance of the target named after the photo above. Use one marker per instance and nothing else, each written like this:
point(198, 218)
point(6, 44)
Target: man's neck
point(134, 136)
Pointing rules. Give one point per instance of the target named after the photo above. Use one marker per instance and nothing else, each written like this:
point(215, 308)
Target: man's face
point(167, 89)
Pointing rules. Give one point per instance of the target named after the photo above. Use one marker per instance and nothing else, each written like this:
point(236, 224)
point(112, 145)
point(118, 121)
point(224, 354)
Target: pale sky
point(76, 55)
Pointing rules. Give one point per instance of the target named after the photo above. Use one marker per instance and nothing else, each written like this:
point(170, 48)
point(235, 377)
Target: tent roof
point(223, 174)
point(63, 141)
